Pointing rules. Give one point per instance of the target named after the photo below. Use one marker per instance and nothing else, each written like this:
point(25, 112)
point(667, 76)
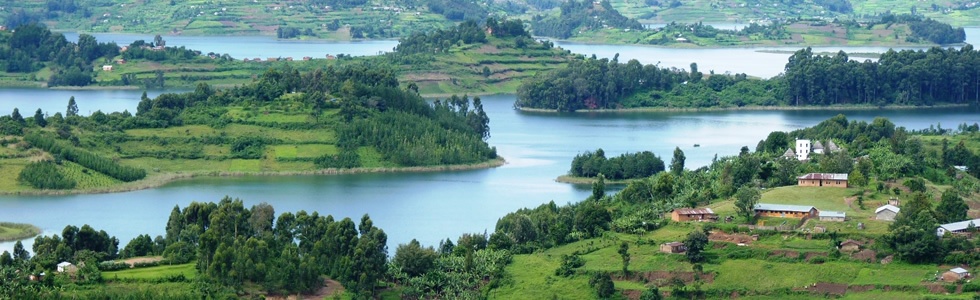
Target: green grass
point(86, 178)
point(151, 273)
point(17, 231)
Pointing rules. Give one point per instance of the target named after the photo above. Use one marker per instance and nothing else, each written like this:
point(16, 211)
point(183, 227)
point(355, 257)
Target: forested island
point(353, 118)
point(606, 246)
point(898, 78)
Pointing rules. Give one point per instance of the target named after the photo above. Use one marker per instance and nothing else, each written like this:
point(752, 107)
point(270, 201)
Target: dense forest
point(625, 166)
point(584, 15)
point(907, 77)
point(245, 252)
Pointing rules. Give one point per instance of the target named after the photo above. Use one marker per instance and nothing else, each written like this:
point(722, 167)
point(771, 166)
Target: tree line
point(625, 166)
point(906, 77)
point(85, 158)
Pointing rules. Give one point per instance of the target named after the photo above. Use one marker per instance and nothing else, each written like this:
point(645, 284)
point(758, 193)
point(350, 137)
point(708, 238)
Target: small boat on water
point(697, 145)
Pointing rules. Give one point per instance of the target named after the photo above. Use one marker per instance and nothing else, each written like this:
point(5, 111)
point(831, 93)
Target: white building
point(955, 227)
point(803, 149)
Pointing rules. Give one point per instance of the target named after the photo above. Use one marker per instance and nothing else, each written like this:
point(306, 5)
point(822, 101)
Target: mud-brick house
point(823, 180)
point(693, 214)
point(672, 247)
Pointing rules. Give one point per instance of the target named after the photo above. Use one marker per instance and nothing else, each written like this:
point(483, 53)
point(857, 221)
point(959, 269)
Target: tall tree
point(624, 253)
point(695, 243)
point(17, 117)
point(745, 200)
point(599, 187)
point(677, 163)
point(39, 118)
point(72, 107)
point(951, 208)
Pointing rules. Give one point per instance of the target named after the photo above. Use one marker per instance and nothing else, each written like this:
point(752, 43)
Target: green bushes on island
point(625, 166)
point(585, 15)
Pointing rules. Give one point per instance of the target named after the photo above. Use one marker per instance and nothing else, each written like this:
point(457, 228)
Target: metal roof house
point(956, 227)
point(834, 216)
point(823, 179)
point(693, 214)
point(785, 211)
point(887, 212)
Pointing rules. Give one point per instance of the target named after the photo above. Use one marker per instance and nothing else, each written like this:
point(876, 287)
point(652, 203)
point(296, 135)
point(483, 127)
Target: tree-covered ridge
point(33, 47)
point(350, 116)
point(907, 77)
point(910, 77)
point(584, 15)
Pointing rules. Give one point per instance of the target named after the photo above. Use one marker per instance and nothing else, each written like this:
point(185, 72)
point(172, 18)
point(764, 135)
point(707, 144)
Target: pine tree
point(72, 107)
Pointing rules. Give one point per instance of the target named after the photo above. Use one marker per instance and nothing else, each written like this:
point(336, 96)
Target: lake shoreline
point(26, 231)
point(161, 179)
point(590, 180)
point(746, 108)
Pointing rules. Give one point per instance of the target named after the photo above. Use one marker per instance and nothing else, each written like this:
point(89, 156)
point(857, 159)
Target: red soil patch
point(135, 260)
point(865, 255)
point(860, 288)
point(329, 288)
point(811, 255)
point(631, 294)
point(935, 288)
point(786, 253)
point(731, 238)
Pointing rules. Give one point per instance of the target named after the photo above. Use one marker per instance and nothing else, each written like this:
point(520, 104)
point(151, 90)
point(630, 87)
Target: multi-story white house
point(803, 149)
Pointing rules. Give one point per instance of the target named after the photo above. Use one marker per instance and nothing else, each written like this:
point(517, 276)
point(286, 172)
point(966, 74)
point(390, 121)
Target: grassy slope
point(801, 34)
point(236, 18)
point(160, 151)
point(17, 231)
point(734, 12)
point(461, 70)
point(772, 276)
point(151, 273)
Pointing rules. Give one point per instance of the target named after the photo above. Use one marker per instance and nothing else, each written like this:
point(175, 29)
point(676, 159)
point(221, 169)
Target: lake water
point(434, 206)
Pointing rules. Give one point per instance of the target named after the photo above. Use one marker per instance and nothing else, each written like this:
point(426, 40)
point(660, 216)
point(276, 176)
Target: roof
point(832, 146)
point(694, 211)
point(957, 226)
point(817, 145)
point(888, 207)
point(64, 263)
point(959, 270)
point(829, 213)
point(850, 242)
point(789, 153)
point(783, 207)
point(674, 244)
point(824, 176)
